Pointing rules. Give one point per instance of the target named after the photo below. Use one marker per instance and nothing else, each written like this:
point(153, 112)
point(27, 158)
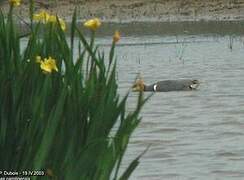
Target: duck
point(167, 85)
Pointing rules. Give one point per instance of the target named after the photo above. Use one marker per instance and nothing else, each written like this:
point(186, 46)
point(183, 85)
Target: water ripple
point(193, 135)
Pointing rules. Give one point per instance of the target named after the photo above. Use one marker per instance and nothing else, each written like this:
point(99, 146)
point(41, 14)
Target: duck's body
point(167, 85)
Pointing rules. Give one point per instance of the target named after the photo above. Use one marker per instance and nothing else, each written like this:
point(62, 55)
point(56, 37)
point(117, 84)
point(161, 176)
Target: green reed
point(70, 124)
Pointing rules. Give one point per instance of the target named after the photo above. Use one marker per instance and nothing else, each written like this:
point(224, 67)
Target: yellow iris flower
point(93, 24)
point(53, 19)
point(116, 36)
point(42, 16)
point(45, 17)
point(47, 64)
point(14, 2)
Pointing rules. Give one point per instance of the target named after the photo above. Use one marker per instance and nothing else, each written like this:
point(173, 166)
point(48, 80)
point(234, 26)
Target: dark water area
point(164, 28)
point(174, 28)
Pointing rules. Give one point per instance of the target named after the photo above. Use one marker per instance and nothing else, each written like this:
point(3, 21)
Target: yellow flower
point(14, 2)
point(93, 24)
point(42, 16)
point(116, 36)
point(47, 65)
point(52, 19)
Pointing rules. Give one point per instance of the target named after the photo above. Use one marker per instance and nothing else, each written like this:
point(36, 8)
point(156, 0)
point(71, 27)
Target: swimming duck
point(167, 85)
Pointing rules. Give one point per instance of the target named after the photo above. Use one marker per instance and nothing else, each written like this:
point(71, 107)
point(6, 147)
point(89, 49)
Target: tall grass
point(71, 124)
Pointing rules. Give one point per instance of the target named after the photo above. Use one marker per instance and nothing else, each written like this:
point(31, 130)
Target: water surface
point(196, 134)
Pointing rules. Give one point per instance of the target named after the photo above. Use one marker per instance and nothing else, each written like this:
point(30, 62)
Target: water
point(196, 134)
point(192, 135)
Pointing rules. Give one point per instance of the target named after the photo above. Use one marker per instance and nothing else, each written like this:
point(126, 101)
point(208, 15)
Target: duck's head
point(139, 85)
point(195, 84)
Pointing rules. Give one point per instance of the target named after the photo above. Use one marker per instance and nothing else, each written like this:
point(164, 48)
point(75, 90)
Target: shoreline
point(127, 11)
point(172, 24)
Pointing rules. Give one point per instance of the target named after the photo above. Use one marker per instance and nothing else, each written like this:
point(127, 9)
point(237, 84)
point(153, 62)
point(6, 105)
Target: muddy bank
point(141, 10)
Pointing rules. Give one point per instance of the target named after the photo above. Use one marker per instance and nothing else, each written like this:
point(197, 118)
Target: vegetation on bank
point(60, 112)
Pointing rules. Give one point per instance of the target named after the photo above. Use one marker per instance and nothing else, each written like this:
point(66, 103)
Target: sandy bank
point(141, 10)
